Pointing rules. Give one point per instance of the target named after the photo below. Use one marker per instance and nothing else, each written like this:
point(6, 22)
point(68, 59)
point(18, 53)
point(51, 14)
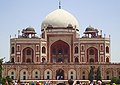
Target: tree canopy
point(98, 74)
point(1, 61)
point(91, 74)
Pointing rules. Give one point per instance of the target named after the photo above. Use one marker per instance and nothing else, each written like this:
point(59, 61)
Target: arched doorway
point(92, 55)
point(60, 52)
point(60, 74)
point(28, 55)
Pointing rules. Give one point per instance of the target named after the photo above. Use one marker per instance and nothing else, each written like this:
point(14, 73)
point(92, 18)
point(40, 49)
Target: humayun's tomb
point(59, 52)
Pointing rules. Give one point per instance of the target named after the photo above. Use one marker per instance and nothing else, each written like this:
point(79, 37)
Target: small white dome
point(60, 18)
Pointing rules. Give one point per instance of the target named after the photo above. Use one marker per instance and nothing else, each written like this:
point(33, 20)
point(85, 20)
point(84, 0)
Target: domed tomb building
point(60, 52)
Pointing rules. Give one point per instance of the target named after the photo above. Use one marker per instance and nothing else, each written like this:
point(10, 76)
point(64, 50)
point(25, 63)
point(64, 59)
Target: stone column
point(29, 74)
point(42, 74)
point(77, 73)
point(65, 74)
point(53, 74)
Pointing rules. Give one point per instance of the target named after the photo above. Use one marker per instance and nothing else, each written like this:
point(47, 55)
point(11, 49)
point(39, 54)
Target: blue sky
point(18, 14)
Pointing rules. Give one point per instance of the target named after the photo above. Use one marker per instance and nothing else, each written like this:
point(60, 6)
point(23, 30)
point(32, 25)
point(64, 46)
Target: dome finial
point(59, 4)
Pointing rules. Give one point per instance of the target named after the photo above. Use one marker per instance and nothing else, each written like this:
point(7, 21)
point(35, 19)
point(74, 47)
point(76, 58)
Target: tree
point(1, 61)
point(118, 81)
point(115, 80)
point(98, 74)
point(8, 79)
point(91, 74)
point(70, 82)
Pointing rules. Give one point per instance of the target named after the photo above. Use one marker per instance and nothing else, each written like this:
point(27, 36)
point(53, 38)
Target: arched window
point(82, 59)
point(83, 77)
point(76, 60)
point(12, 60)
point(24, 72)
point(48, 72)
point(102, 59)
point(82, 48)
point(107, 60)
point(71, 77)
point(12, 75)
point(12, 50)
point(91, 52)
point(107, 72)
point(43, 50)
point(18, 48)
point(101, 48)
point(36, 72)
point(71, 72)
point(48, 75)
point(28, 52)
point(37, 59)
point(76, 49)
point(107, 49)
point(83, 72)
point(37, 48)
point(107, 75)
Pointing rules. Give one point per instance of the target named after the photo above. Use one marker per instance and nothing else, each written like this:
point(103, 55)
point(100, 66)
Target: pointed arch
point(28, 54)
point(23, 74)
point(47, 74)
point(12, 50)
point(43, 49)
point(12, 74)
point(76, 49)
point(60, 52)
point(76, 60)
point(36, 74)
point(108, 74)
point(107, 49)
point(72, 74)
point(92, 54)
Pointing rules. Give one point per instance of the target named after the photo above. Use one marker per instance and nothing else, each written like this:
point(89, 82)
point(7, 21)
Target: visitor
point(6, 82)
point(99, 82)
point(45, 83)
point(37, 83)
point(15, 83)
point(11, 83)
point(91, 83)
point(32, 83)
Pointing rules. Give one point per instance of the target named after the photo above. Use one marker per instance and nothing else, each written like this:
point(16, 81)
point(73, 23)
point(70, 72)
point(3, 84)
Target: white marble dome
point(60, 18)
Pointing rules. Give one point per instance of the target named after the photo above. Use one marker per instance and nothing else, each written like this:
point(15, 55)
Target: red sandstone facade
point(60, 52)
